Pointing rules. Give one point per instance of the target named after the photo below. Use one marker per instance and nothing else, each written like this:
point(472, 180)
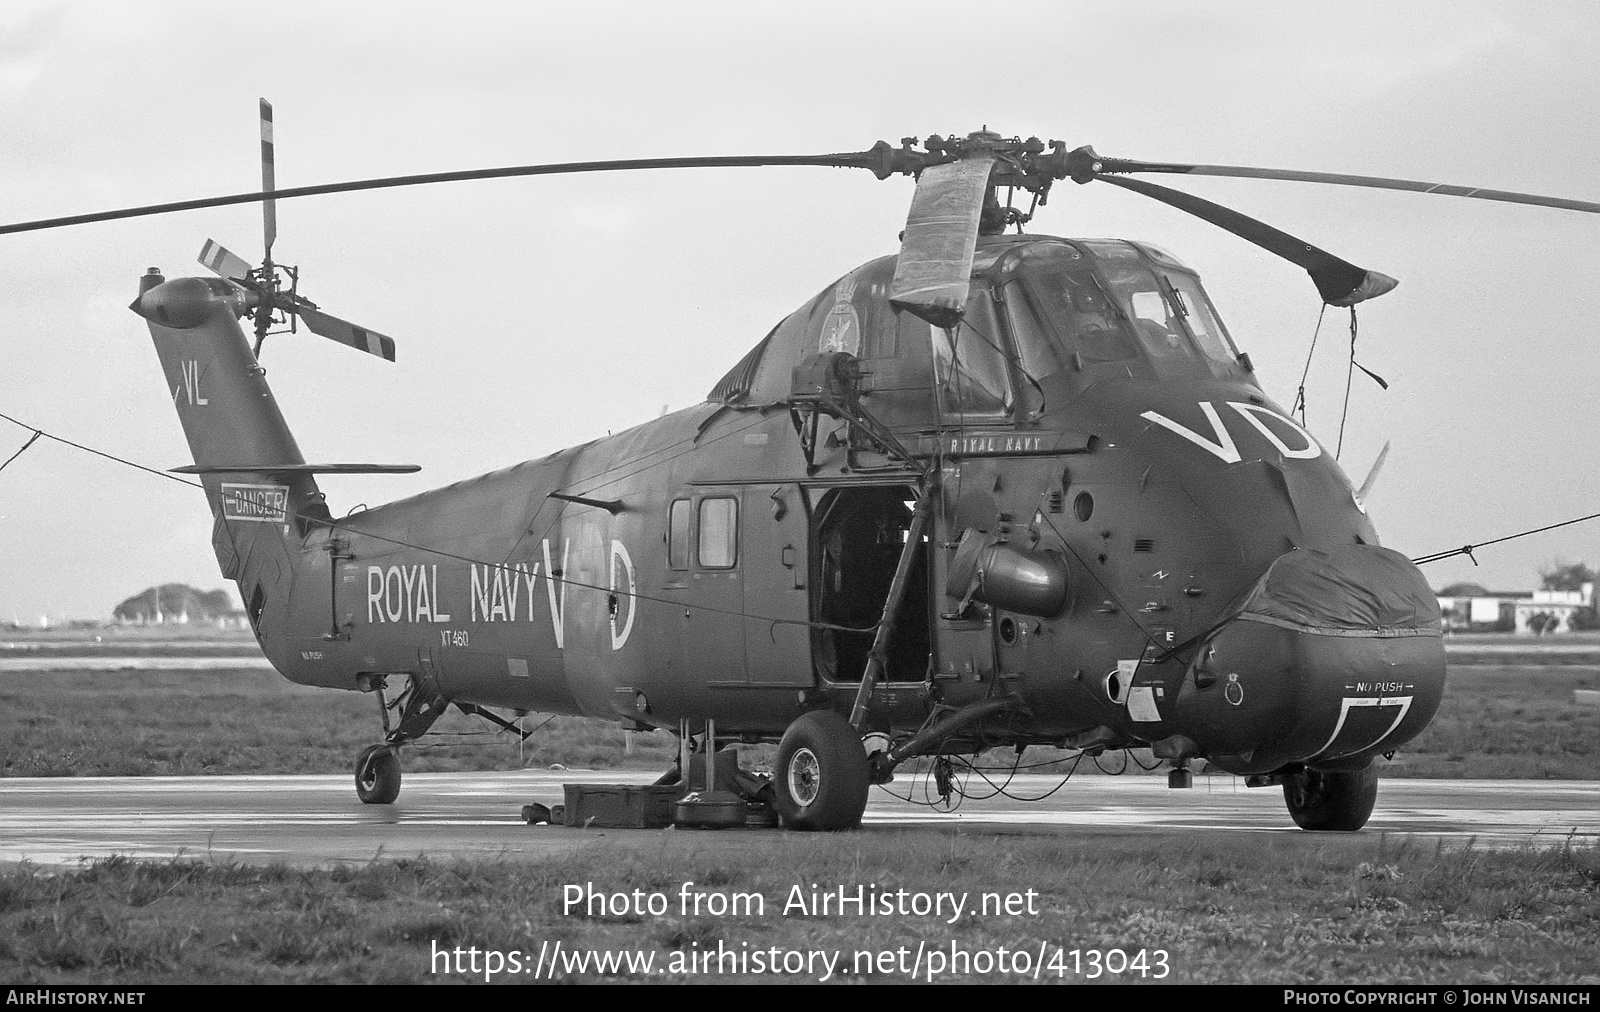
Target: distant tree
point(1560, 575)
point(1464, 590)
point(218, 602)
point(175, 602)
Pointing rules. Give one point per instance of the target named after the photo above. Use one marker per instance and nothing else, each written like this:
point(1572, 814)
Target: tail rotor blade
point(220, 261)
point(269, 180)
point(345, 332)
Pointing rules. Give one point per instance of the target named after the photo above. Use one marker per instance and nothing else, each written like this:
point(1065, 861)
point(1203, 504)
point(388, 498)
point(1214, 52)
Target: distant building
point(1470, 608)
point(1488, 611)
point(1556, 610)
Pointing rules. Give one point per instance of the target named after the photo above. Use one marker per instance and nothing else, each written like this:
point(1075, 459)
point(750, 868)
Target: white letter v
point(1223, 447)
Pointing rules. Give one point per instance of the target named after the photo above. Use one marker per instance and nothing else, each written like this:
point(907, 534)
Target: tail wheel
point(821, 773)
point(377, 775)
point(1339, 802)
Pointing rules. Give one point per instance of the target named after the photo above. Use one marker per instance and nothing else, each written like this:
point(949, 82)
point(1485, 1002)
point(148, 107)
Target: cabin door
point(777, 642)
point(861, 533)
point(713, 630)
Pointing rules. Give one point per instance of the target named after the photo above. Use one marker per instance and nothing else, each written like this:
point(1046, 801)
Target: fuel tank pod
point(996, 573)
point(1333, 657)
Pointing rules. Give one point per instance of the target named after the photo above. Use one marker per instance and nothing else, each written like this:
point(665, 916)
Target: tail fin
point(259, 486)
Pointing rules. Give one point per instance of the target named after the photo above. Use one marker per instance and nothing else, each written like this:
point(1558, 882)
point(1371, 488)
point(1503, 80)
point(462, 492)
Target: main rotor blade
point(219, 260)
point(1339, 282)
point(1340, 179)
point(873, 159)
point(269, 180)
point(345, 332)
point(935, 265)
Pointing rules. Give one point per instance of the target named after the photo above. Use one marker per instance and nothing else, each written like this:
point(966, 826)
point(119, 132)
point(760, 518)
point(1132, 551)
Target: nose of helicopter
point(1333, 657)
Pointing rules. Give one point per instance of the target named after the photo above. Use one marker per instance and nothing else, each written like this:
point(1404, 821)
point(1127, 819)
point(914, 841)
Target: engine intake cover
point(989, 570)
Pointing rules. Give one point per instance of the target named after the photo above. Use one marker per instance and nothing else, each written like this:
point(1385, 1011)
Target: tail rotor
point(276, 301)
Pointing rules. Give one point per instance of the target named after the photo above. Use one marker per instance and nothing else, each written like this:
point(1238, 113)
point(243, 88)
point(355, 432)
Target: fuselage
point(729, 561)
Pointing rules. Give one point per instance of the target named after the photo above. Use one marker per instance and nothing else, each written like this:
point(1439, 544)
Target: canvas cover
point(935, 265)
point(1353, 590)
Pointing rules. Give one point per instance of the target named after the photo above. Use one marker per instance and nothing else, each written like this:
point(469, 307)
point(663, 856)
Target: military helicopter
point(997, 490)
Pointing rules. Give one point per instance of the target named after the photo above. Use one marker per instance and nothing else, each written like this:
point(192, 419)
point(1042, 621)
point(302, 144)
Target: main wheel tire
point(1334, 801)
point(377, 775)
point(821, 773)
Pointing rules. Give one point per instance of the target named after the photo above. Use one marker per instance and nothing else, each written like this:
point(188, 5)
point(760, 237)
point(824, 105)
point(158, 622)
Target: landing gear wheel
point(1339, 802)
point(377, 775)
point(820, 778)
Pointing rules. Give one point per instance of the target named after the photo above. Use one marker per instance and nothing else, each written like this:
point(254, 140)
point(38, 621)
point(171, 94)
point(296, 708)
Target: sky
point(531, 314)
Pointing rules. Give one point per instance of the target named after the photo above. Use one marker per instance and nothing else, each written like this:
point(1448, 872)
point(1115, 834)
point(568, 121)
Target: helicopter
point(1000, 489)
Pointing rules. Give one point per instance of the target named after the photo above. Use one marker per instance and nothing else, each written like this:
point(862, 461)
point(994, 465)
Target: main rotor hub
point(1017, 162)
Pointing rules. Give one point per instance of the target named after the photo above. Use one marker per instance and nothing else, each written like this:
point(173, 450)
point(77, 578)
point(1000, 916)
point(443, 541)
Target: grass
point(1224, 908)
point(150, 723)
point(1245, 909)
point(1517, 721)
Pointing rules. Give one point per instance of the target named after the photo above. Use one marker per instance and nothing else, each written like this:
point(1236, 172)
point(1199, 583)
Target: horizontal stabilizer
point(298, 468)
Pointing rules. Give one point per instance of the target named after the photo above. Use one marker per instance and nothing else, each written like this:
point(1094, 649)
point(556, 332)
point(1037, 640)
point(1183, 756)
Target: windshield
point(970, 363)
point(1154, 317)
point(1165, 305)
point(1201, 318)
point(1056, 316)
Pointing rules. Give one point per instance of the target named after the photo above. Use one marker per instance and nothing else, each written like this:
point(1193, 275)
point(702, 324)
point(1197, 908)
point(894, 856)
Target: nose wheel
point(377, 775)
point(1339, 802)
point(820, 778)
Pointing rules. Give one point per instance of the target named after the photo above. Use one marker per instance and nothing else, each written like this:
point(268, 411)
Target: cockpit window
point(1153, 314)
point(1166, 305)
point(970, 361)
point(1076, 309)
point(1197, 313)
point(1141, 303)
point(1035, 350)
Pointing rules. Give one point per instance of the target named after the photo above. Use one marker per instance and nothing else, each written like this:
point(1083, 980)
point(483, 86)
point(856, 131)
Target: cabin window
point(678, 535)
point(258, 604)
point(878, 331)
point(719, 532)
point(970, 361)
